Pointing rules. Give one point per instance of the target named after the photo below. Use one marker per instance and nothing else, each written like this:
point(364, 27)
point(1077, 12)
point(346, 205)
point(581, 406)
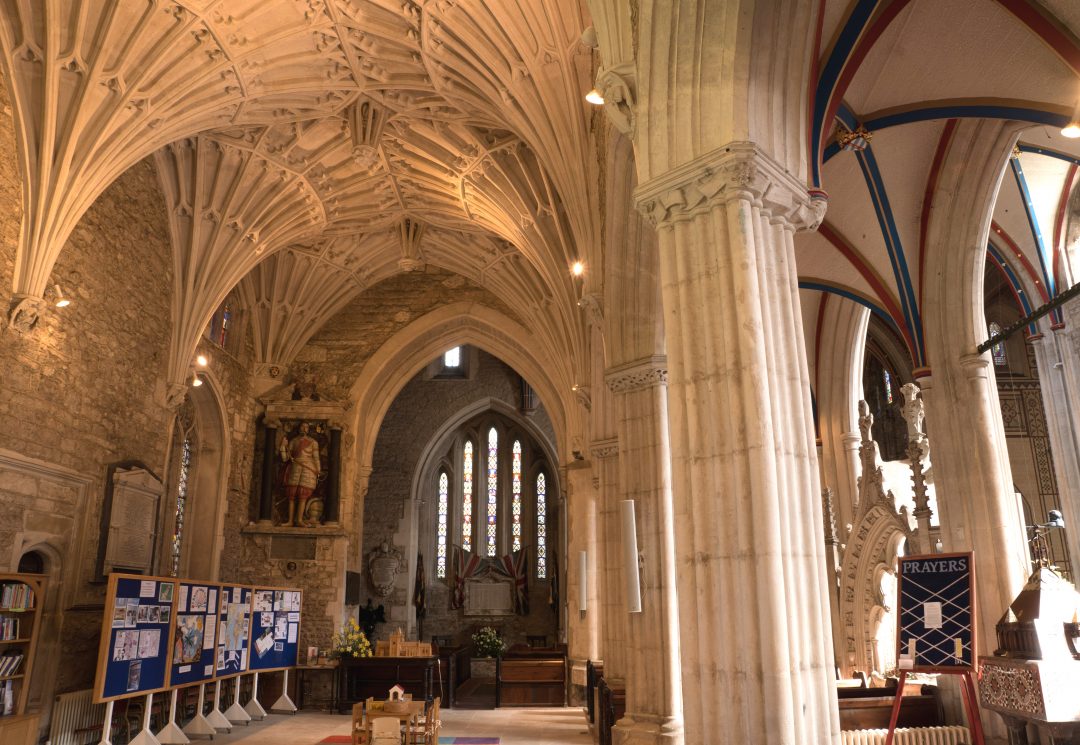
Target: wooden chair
point(427, 729)
point(359, 725)
point(385, 731)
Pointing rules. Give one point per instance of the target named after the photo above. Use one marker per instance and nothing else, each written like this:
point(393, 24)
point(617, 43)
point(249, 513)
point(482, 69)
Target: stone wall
point(78, 393)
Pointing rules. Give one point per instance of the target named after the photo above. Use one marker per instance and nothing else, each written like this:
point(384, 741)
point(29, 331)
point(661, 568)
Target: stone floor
point(512, 726)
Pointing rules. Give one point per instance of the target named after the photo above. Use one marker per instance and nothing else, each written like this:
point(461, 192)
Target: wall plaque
point(489, 596)
point(294, 547)
point(129, 520)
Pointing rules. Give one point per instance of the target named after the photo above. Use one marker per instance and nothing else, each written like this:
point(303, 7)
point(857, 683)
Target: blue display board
point(134, 651)
point(275, 636)
point(936, 623)
point(234, 630)
point(193, 633)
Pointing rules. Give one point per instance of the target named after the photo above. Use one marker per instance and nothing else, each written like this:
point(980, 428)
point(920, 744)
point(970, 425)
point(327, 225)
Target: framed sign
point(133, 655)
point(275, 639)
point(936, 619)
point(234, 628)
point(194, 630)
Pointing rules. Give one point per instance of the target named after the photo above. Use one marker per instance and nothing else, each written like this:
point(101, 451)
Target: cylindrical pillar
point(755, 638)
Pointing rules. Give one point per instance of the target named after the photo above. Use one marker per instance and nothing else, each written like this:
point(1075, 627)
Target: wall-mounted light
point(62, 300)
point(583, 579)
point(201, 360)
point(631, 570)
point(196, 381)
point(577, 268)
point(594, 97)
point(1071, 130)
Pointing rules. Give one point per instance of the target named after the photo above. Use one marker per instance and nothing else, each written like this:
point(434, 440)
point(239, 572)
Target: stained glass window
point(888, 386)
point(541, 527)
point(515, 505)
point(181, 504)
point(466, 501)
point(440, 528)
point(452, 358)
point(998, 350)
point(223, 330)
point(492, 490)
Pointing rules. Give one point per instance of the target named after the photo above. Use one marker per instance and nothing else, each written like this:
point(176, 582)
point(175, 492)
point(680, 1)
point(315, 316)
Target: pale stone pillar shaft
point(1061, 401)
point(583, 629)
point(752, 588)
point(613, 620)
point(653, 667)
point(979, 508)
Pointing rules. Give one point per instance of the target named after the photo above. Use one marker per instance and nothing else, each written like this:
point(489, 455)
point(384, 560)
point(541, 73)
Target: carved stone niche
point(384, 564)
point(129, 520)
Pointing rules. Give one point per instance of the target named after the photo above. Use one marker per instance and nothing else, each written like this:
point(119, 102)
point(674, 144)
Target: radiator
point(908, 736)
point(72, 712)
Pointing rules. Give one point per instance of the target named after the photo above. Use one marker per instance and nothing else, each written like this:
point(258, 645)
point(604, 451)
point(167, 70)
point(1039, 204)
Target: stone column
point(582, 626)
point(653, 671)
point(333, 477)
point(266, 487)
point(753, 599)
point(979, 508)
point(613, 621)
point(1061, 403)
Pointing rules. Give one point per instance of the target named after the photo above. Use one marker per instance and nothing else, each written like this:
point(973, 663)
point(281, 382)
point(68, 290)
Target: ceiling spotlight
point(201, 360)
point(62, 300)
point(1070, 130)
point(196, 380)
point(594, 97)
point(577, 268)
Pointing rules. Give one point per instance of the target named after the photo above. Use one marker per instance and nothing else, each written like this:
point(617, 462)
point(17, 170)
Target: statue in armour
point(301, 457)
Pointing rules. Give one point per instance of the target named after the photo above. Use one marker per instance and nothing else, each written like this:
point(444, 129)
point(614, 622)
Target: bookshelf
point(20, 615)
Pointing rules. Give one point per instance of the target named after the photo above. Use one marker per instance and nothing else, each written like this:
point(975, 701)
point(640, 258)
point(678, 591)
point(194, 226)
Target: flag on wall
point(463, 566)
point(516, 566)
point(553, 593)
point(420, 589)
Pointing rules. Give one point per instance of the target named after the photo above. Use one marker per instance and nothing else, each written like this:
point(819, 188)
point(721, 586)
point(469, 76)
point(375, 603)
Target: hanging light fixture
point(62, 300)
point(1072, 129)
point(594, 97)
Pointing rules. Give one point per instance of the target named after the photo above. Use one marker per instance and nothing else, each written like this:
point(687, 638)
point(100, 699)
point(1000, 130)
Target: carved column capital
point(739, 170)
point(25, 311)
point(643, 373)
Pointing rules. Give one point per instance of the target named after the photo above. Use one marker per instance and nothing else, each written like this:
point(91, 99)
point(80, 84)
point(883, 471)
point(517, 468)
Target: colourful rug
point(345, 740)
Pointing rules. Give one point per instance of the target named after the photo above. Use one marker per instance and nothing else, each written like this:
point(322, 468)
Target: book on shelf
point(9, 663)
point(9, 628)
point(7, 697)
point(16, 596)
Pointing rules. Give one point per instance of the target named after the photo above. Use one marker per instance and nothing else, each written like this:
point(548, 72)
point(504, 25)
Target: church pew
point(530, 681)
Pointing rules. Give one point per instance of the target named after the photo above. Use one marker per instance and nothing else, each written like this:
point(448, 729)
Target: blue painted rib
point(1045, 259)
point(1014, 280)
point(880, 198)
point(875, 309)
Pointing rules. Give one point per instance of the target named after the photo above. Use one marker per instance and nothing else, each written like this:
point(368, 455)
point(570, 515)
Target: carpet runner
point(345, 740)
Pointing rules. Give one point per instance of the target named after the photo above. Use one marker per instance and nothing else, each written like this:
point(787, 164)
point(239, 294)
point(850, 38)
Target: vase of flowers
point(350, 642)
point(488, 643)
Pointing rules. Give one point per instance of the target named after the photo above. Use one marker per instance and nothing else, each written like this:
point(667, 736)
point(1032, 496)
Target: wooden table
point(302, 672)
point(410, 717)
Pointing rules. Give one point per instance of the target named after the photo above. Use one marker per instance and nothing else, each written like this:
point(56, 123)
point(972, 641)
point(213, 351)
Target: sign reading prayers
point(936, 622)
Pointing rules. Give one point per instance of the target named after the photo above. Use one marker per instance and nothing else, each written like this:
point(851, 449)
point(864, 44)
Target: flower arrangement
point(488, 643)
point(350, 642)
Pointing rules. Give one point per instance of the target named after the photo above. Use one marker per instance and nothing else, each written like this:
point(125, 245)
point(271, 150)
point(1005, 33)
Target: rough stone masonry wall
point(413, 420)
point(77, 393)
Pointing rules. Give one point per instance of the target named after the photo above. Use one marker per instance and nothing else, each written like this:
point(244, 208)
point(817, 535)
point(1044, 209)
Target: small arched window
point(997, 351)
point(492, 492)
point(441, 526)
point(541, 526)
point(467, 494)
point(181, 505)
point(515, 504)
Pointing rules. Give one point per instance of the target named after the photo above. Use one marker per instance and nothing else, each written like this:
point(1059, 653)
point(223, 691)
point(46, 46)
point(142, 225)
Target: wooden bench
point(594, 671)
point(529, 681)
point(871, 708)
point(454, 670)
point(611, 706)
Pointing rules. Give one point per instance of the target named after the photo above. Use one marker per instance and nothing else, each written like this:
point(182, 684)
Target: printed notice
point(147, 588)
point(292, 632)
point(932, 615)
point(958, 647)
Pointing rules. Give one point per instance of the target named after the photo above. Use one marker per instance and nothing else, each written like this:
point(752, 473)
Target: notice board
point(234, 630)
point(936, 620)
point(194, 630)
point(275, 639)
point(133, 655)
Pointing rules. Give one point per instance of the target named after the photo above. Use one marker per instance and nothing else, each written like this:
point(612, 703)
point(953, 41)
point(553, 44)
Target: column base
point(643, 729)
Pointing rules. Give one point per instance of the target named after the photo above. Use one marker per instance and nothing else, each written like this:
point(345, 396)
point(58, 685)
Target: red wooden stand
point(971, 706)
